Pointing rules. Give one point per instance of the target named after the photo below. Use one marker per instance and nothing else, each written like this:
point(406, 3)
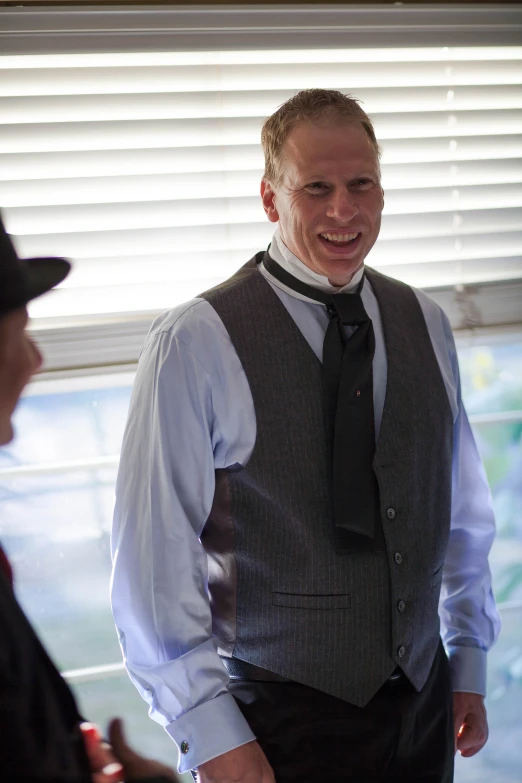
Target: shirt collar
point(292, 264)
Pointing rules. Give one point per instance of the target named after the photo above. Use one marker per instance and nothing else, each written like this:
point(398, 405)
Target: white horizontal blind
point(144, 168)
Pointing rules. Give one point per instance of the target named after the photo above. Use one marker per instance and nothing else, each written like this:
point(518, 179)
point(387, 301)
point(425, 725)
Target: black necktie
point(348, 406)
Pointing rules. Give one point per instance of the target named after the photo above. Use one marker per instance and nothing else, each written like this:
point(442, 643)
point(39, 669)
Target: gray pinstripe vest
point(282, 598)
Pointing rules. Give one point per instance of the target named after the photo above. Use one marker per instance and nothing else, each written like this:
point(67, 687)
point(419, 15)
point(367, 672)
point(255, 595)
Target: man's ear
point(268, 199)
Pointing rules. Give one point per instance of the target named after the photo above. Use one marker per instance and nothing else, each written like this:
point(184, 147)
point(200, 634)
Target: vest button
point(390, 513)
point(401, 652)
point(398, 558)
point(401, 606)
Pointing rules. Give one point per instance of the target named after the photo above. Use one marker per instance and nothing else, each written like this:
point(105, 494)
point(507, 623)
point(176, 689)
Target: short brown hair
point(315, 104)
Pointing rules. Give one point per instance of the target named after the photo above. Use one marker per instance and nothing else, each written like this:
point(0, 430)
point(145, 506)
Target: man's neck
point(292, 264)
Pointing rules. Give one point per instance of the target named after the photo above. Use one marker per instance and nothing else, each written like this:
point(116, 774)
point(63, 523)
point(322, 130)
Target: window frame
point(97, 344)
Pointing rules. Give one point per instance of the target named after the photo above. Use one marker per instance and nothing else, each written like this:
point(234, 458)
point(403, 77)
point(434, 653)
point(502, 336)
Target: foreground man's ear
point(268, 199)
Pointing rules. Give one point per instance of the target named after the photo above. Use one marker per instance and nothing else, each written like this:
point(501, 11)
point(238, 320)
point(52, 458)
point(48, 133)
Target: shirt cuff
point(468, 669)
point(207, 731)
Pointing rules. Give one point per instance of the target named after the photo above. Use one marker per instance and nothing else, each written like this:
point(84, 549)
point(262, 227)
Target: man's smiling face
point(328, 200)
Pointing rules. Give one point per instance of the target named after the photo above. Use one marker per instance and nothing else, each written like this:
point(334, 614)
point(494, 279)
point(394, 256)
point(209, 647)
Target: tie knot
point(349, 308)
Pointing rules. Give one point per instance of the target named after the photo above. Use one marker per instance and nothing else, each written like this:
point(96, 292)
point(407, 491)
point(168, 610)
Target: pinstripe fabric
point(325, 619)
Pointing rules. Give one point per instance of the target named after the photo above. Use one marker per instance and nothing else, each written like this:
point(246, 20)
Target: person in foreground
point(298, 486)
point(42, 735)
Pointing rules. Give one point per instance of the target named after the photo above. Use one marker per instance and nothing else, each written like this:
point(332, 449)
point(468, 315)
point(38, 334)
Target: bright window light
point(263, 56)
point(146, 166)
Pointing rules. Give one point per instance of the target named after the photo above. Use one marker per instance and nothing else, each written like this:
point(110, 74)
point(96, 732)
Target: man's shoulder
point(429, 307)
point(195, 325)
point(198, 312)
point(245, 276)
point(436, 320)
point(175, 320)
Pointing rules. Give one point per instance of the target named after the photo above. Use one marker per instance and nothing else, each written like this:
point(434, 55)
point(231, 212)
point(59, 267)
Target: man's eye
point(363, 182)
point(317, 186)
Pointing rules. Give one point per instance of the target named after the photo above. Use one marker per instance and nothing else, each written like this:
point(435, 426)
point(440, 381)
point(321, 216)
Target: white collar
point(285, 258)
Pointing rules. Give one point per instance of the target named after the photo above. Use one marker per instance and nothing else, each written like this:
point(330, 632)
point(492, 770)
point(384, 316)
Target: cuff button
point(184, 747)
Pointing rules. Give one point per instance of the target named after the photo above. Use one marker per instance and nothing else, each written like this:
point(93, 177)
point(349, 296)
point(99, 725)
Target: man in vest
point(298, 481)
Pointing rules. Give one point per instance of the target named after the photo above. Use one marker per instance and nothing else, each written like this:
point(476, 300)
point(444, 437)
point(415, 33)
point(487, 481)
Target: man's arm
point(470, 622)
point(159, 587)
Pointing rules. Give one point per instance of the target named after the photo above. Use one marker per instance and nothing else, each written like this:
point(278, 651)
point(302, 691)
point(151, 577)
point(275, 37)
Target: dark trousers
point(311, 737)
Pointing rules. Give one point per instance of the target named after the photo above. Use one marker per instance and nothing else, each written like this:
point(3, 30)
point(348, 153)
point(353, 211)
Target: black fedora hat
point(23, 279)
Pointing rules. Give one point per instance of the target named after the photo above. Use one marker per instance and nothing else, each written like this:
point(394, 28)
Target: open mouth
point(340, 240)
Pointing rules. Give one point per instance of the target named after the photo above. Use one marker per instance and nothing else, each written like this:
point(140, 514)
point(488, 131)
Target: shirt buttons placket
point(390, 513)
point(398, 558)
point(401, 606)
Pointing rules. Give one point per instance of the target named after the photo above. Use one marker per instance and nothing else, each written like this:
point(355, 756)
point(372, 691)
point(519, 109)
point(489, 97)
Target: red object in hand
point(104, 764)
point(91, 737)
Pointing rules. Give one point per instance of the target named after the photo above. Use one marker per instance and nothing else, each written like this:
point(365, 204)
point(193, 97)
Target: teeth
point(340, 237)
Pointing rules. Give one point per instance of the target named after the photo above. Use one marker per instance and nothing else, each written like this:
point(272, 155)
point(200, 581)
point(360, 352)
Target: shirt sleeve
point(159, 595)
point(470, 621)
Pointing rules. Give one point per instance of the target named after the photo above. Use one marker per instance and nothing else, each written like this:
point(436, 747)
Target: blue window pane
point(56, 525)
point(492, 384)
point(55, 528)
point(68, 425)
point(491, 376)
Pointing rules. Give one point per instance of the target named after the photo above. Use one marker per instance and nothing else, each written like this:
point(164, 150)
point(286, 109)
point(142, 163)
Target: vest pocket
point(303, 601)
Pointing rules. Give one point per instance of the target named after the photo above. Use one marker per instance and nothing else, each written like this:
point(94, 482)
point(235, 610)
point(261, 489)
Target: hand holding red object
point(104, 765)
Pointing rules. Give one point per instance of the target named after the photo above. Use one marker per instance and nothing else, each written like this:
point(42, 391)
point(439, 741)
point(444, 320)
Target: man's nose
point(342, 205)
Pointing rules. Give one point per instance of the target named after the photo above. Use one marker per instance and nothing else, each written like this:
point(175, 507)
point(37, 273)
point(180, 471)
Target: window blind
point(143, 167)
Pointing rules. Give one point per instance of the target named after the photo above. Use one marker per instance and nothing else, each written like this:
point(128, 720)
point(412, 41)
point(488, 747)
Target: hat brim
point(43, 274)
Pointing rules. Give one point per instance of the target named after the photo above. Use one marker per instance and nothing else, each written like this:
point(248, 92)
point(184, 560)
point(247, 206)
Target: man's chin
point(340, 271)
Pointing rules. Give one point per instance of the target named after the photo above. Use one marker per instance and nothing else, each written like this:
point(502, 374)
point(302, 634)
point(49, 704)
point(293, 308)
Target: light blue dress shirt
point(191, 413)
